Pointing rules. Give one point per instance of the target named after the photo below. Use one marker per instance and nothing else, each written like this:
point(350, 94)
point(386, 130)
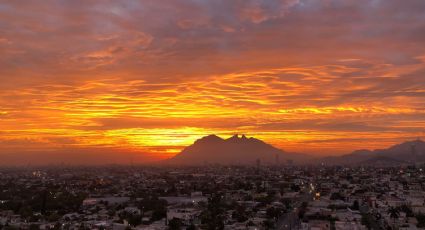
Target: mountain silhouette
point(404, 153)
point(234, 150)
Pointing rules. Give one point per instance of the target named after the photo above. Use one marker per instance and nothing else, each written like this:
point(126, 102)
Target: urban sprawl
point(213, 197)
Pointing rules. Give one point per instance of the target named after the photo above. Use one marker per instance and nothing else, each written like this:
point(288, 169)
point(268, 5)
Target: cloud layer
point(325, 76)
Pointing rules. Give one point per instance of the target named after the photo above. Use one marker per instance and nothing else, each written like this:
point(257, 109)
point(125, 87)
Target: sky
point(114, 80)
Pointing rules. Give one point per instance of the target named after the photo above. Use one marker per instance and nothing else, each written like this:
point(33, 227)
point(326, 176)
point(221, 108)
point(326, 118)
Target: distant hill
point(405, 153)
point(382, 161)
point(235, 150)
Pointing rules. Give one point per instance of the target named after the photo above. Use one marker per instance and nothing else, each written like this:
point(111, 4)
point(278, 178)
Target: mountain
point(235, 150)
point(404, 153)
point(382, 161)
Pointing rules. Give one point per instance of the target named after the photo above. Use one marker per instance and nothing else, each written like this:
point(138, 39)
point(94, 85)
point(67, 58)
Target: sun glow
point(157, 137)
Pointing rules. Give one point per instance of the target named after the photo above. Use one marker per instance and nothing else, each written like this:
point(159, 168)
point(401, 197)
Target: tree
point(34, 227)
point(81, 227)
point(212, 217)
point(355, 205)
point(366, 220)
point(336, 196)
point(175, 224)
point(394, 214)
point(132, 218)
point(421, 220)
point(302, 210)
point(407, 209)
point(268, 224)
point(273, 213)
point(53, 217)
point(240, 214)
point(295, 188)
point(159, 213)
point(57, 226)
point(9, 228)
point(25, 211)
point(191, 227)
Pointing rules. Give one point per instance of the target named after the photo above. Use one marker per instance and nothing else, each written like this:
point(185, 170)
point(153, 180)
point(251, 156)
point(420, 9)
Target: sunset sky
point(149, 77)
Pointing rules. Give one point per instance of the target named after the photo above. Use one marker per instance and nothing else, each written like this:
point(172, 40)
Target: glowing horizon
point(151, 77)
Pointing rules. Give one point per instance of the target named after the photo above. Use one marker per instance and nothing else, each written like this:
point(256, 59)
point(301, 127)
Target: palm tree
point(394, 214)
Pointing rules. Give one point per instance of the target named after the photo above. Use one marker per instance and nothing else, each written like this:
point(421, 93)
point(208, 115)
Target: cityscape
point(213, 197)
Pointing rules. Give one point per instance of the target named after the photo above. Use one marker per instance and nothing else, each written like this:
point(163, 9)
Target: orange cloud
point(150, 77)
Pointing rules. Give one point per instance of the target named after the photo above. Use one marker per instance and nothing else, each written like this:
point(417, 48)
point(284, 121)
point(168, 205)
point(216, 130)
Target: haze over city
point(120, 81)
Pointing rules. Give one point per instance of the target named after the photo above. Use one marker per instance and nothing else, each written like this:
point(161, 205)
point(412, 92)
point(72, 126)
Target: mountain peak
point(237, 149)
point(408, 146)
point(211, 136)
point(409, 151)
point(209, 139)
point(236, 138)
point(418, 141)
